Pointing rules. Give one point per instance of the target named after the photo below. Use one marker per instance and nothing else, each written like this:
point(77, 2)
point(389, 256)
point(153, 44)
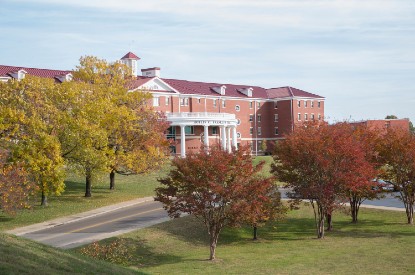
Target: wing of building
point(207, 113)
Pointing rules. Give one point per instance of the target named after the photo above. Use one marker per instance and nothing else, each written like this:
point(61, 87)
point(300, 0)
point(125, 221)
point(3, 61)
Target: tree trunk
point(410, 213)
point(408, 201)
point(213, 243)
point(329, 223)
point(44, 201)
point(112, 180)
point(354, 208)
point(320, 222)
point(255, 233)
point(88, 183)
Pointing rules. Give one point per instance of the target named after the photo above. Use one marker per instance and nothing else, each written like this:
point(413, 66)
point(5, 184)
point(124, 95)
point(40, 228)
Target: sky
point(358, 54)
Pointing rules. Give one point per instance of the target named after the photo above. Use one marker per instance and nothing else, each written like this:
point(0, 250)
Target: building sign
point(212, 122)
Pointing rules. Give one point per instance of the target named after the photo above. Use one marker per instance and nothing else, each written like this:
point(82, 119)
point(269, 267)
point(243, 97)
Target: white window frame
point(156, 101)
point(275, 117)
point(259, 131)
point(237, 108)
point(299, 117)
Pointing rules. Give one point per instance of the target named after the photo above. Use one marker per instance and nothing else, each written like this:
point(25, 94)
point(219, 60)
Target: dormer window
point(64, 77)
point(219, 89)
point(246, 91)
point(19, 75)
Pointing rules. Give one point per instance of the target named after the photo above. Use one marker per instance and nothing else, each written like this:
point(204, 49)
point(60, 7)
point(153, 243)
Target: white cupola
point(131, 61)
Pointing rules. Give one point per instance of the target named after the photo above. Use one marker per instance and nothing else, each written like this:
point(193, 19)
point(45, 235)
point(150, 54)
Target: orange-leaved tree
point(318, 162)
point(217, 187)
point(397, 152)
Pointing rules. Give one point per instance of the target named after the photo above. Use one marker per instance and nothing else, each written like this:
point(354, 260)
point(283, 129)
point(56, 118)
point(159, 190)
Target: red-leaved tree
point(219, 188)
point(15, 187)
point(364, 188)
point(397, 151)
point(318, 162)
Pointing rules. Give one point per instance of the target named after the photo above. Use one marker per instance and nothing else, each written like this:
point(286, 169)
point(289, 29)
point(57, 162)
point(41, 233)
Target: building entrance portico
point(226, 123)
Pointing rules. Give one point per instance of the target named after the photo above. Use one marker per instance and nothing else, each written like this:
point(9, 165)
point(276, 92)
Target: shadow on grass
point(135, 252)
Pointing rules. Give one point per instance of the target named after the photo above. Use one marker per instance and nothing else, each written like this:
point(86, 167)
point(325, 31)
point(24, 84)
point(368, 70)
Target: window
point(156, 101)
point(276, 131)
point(251, 131)
point(238, 122)
point(305, 103)
point(199, 100)
point(299, 103)
point(276, 105)
point(223, 103)
point(259, 118)
point(214, 103)
point(299, 117)
point(312, 116)
point(258, 104)
point(319, 117)
point(238, 135)
point(237, 108)
point(215, 130)
point(259, 145)
point(167, 100)
point(259, 131)
point(312, 104)
point(318, 104)
point(184, 101)
point(189, 130)
point(250, 104)
point(251, 118)
point(305, 116)
point(275, 117)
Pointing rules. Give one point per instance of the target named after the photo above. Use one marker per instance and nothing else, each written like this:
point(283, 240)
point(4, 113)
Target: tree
point(218, 187)
point(397, 152)
point(391, 117)
point(318, 161)
point(15, 187)
point(131, 134)
point(364, 188)
point(28, 131)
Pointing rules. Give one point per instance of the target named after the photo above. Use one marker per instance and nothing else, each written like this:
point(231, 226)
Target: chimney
point(151, 72)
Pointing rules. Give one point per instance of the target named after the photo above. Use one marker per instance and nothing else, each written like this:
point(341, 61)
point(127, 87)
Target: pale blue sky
point(358, 54)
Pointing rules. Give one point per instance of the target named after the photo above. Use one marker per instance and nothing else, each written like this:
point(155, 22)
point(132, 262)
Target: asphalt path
point(100, 226)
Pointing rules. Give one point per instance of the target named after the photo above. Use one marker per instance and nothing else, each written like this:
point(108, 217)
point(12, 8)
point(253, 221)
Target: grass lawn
point(73, 201)
point(19, 256)
point(380, 244)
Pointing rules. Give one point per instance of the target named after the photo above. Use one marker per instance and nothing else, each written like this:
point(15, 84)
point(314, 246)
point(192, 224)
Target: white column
point(223, 135)
point(228, 139)
point(206, 141)
point(234, 137)
point(182, 141)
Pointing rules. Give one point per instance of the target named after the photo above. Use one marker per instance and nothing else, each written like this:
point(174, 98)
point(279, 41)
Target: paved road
point(389, 200)
point(99, 226)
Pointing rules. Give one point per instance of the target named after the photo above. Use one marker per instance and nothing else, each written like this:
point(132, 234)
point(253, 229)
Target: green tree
point(391, 117)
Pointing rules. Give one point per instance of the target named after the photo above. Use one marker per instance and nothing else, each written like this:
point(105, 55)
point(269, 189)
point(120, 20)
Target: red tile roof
point(6, 70)
point(130, 55)
point(202, 88)
point(288, 92)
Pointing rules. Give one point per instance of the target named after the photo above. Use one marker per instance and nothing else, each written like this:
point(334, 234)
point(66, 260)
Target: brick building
point(384, 124)
point(207, 113)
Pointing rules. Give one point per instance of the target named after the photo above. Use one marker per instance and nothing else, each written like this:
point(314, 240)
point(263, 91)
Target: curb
point(76, 217)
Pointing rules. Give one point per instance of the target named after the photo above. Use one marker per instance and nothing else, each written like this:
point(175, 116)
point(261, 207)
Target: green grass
point(19, 256)
point(73, 201)
point(380, 244)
